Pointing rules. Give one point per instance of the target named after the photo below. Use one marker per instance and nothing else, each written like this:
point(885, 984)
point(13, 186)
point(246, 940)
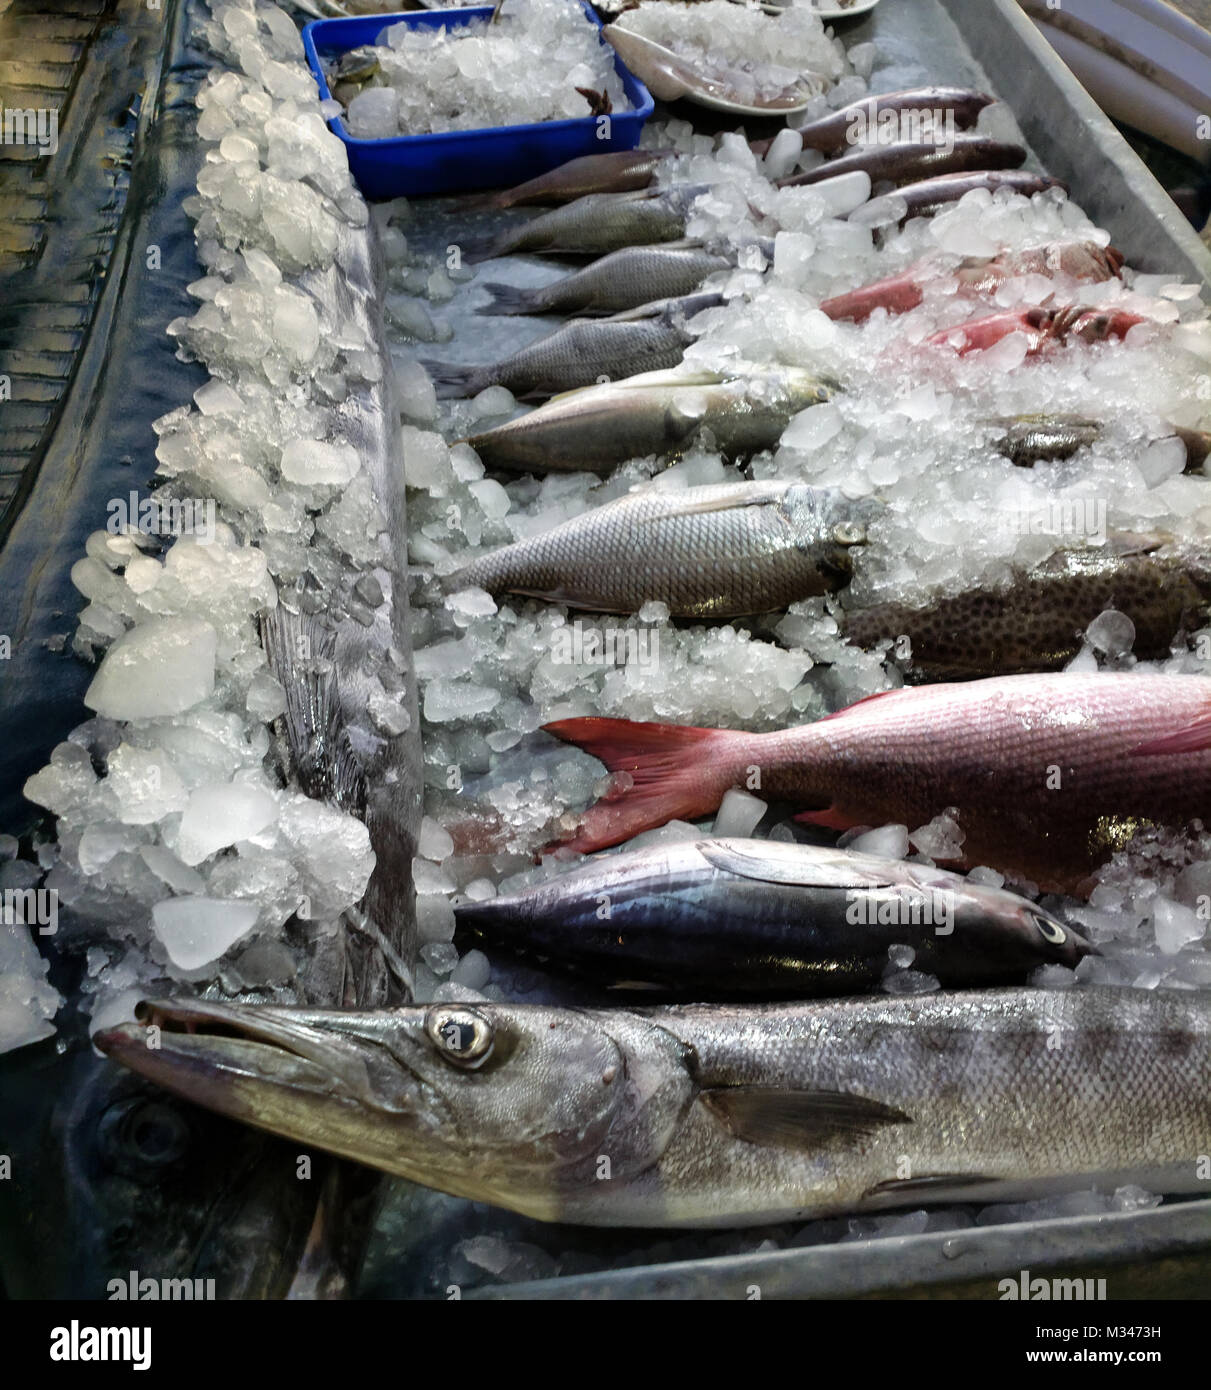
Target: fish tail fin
point(483, 248)
point(508, 299)
point(300, 650)
point(452, 379)
point(677, 773)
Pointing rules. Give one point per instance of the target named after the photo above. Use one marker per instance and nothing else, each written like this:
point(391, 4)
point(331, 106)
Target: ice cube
point(195, 931)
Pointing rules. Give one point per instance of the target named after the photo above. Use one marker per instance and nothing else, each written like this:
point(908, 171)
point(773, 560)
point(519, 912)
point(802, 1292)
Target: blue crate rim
point(467, 14)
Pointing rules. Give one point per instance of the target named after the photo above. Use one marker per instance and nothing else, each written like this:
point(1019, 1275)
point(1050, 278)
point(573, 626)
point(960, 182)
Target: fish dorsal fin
point(800, 865)
point(727, 497)
point(865, 700)
point(798, 1119)
point(926, 1185)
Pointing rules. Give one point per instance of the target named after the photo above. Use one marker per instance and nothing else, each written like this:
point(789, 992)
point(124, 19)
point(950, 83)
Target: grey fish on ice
point(910, 160)
point(719, 1115)
point(595, 224)
point(1031, 439)
point(659, 413)
point(706, 552)
point(732, 918)
point(617, 171)
point(623, 279)
point(579, 353)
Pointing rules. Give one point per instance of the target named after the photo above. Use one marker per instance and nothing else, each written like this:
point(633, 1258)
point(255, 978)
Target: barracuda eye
point(1052, 931)
point(143, 1135)
point(461, 1034)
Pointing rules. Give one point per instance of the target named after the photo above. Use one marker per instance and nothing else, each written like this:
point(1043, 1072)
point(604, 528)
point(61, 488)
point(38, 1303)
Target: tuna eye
point(1052, 931)
point(460, 1034)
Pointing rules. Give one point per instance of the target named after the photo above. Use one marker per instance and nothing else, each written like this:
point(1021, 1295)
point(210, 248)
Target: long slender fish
point(716, 1115)
point(706, 552)
point(659, 413)
point(1034, 620)
point(1080, 260)
point(618, 171)
point(836, 132)
point(622, 279)
point(910, 160)
point(1046, 775)
point(584, 350)
point(928, 196)
point(1031, 439)
point(595, 224)
point(732, 918)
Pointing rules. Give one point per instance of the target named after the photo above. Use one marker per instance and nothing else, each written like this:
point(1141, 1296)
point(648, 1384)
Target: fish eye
point(144, 1132)
point(1052, 931)
point(462, 1035)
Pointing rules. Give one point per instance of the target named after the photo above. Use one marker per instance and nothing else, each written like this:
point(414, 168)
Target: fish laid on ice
point(910, 160)
point(1042, 328)
point(1076, 260)
point(623, 279)
point(1031, 439)
point(595, 224)
point(1034, 620)
point(579, 353)
point(731, 918)
point(925, 198)
point(706, 552)
point(718, 1115)
point(618, 171)
point(912, 109)
point(1046, 775)
point(659, 413)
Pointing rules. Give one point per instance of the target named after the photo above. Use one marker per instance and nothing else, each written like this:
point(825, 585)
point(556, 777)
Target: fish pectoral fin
point(924, 1184)
point(1194, 738)
point(797, 1119)
point(766, 863)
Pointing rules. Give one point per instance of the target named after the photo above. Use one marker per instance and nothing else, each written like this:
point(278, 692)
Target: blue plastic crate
point(455, 161)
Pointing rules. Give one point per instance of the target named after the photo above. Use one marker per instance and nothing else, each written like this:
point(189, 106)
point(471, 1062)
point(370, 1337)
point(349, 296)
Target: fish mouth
point(272, 1067)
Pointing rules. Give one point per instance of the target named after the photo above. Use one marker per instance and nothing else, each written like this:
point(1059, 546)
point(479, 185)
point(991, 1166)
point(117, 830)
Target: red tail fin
point(678, 773)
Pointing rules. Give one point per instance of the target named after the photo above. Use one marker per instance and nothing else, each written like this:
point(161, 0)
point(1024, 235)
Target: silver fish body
point(660, 413)
point(623, 279)
point(739, 918)
point(595, 224)
point(713, 1115)
point(583, 351)
point(707, 552)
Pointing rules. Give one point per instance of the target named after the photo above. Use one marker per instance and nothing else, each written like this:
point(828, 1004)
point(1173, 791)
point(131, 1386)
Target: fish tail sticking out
point(676, 772)
point(454, 379)
point(508, 299)
point(300, 651)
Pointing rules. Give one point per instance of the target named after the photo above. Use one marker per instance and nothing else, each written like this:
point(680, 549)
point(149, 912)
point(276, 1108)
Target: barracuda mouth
point(233, 1058)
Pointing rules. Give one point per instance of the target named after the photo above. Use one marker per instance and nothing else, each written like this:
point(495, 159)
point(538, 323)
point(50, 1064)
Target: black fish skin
point(1036, 620)
point(678, 922)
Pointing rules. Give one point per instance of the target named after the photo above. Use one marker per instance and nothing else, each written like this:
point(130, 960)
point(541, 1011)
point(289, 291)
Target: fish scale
point(986, 748)
point(730, 549)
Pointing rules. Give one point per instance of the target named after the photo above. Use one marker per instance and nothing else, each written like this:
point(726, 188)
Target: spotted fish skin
point(1035, 621)
point(707, 552)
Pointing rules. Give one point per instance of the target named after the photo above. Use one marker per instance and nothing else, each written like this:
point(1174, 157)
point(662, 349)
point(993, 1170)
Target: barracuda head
point(511, 1104)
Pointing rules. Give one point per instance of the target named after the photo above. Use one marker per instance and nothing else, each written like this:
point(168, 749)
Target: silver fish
point(623, 279)
point(618, 171)
point(708, 1115)
point(732, 918)
point(660, 413)
point(595, 224)
point(706, 552)
point(583, 351)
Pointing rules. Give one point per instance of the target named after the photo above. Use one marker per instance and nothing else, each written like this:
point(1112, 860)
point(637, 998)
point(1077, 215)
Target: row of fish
point(748, 1112)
